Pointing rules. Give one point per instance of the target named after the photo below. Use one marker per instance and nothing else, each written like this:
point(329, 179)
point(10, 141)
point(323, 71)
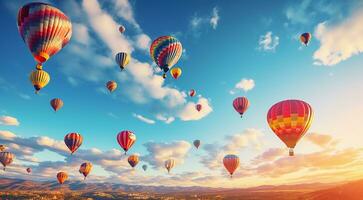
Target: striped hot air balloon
point(62, 177)
point(241, 104)
point(44, 28)
point(122, 59)
point(198, 107)
point(39, 78)
point(166, 51)
point(56, 104)
point(73, 141)
point(175, 72)
point(231, 163)
point(126, 139)
point(85, 169)
point(133, 160)
point(192, 93)
point(196, 143)
point(305, 38)
point(169, 164)
point(111, 86)
point(289, 120)
point(6, 158)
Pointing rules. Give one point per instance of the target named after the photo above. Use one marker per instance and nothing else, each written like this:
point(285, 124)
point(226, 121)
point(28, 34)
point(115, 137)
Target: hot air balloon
point(2, 147)
point(111, 86)
point(29, 170)
point(144, 167)
point(305, 38)
point(62, 177)
point(133, 160)
point(241, 104)
point(122, 59)
point(6, 158)
point(85, 169)
point(196, 143)
point(192, 93)
point(126, 139)
point(169, 164)
point(231, 163)
point(175, 72)
point(198, 107)
point(166, 51)
point(73, 141)
point(289, 120)
point(122, 29)
point(56, 104)
point(39, 78)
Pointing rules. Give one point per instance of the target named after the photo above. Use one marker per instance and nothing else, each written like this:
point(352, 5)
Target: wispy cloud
point(9, 121)
point(165, 119)
point(198, 22)
point(215, 18)
point(268, 42)
point(244, 84)
point(143, 119)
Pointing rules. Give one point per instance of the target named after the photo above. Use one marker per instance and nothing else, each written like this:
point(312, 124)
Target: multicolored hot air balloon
point(122, 59)
point(56, 104)
point(241, 104)
point(126, 139)
point(6, 158)
point(2, 147)
point(169, 164)
point(289, 120)
point(85, 169)
point(44, 28)
point(39, 78)
point(62, 177)
point(231, 163)
point(198, 107)
point(29, 170)
point(192, 93)
point(196, 143)
point(73, 141)
point(133, 160)
point(175, 72)
point(121, 29)
point(305, 38)
point(144, 167)
point(111, 86)
point(166, 51)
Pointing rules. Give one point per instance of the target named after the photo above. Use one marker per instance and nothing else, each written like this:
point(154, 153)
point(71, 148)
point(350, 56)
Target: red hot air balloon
point(121, 29)
point(29, 170)
point(241, 104)
point(111, 86)
point(133, 160)
point(289, 120)
point(62, 177)
point(126, 139)
point(231, 163)
point(198, 107)
point(196, 143)
point(56, 104)
point(73, 141)
point(192, 93)
point(305, 38)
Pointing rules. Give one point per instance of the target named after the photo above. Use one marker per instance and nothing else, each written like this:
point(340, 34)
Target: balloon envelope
point(133, 160)
point(198, 107)
point(73, 141)
point(241, 104)
point(56, 104)
point(231, 163)
point(175, 72)
point(111, 86)
point(192, 93)
point(144, 167)
point(305, 38)
point(122, 59)
point(122, 29)
point(196, 143)
point(62, 177)
point(85, 169)
point(6, 158)
point(169, 164)
point(126, 139)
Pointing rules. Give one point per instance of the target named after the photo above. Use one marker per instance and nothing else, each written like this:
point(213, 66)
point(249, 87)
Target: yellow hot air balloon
point(175, 72)
point(39, 78)
point(122, 59)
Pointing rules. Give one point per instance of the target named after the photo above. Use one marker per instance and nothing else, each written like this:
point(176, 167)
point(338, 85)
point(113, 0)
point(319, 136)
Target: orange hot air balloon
point(6, 158)
point(29, 170)
point(231, 163)
point(175, 72)
point(111, 86)
point(289, 120)
point(133, 160)
point(62, 177)
point(56, 104)
point(85, 169)
point(2, 147)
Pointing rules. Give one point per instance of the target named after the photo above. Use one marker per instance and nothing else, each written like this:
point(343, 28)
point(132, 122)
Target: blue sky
point(225, 43)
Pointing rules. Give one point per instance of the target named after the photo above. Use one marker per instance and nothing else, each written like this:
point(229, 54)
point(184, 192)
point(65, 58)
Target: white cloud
point(143, 42)
point(238, 141)
point(165, 119)
point(268, 42)
point(124, 10)
point(158, 152)
point(196, 21)
point(143, 119)
point(80, 33)
point(189, 112)
point(215, 18)
point(336, 43)
point(243, 84)
point(9, 121)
